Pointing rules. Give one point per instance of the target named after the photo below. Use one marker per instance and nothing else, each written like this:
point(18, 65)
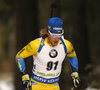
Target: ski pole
point(72, 88)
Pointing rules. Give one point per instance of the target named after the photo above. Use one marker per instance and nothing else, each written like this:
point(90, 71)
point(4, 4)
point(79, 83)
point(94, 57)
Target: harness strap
point(65, 48)
point(41, 44)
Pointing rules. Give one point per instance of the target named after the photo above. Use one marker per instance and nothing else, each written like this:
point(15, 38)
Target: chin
point(54, 44)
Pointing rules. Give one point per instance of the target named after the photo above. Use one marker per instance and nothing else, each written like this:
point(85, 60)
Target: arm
point(21, 64)
point(28, 50)
point(74, 63)
point(21, 55)
point(72, 56)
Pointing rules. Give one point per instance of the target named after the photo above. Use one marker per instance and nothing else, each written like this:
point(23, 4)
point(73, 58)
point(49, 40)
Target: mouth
point(55, 42)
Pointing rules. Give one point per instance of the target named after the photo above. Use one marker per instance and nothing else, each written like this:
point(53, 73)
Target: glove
point(75, 79)
point(26, 82)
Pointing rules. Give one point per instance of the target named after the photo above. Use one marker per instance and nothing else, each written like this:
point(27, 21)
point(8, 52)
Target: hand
point(26, 82)
point(75, 79)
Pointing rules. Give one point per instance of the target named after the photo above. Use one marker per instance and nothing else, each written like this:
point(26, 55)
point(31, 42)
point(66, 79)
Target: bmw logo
point(53, 53)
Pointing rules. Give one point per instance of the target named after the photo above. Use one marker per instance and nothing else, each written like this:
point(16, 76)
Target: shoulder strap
point(41, 44)
point(65, 48)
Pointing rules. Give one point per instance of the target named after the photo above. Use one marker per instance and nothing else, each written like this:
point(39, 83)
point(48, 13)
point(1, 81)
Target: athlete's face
point(53, 41)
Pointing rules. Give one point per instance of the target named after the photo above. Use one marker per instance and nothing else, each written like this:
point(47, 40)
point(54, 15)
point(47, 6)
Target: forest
point(21, 22)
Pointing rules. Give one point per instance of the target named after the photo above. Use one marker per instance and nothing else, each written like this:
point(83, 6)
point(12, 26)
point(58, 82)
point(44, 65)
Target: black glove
point(26, 82)
point(75, 79)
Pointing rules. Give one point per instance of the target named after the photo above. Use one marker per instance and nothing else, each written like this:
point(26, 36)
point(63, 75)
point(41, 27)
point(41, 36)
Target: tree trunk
point(27, 30)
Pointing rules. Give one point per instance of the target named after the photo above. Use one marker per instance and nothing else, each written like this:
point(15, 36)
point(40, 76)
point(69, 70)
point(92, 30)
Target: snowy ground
point(6, 82)
point(90, 88)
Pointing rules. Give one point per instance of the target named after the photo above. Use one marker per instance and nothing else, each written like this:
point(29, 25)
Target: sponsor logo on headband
point(57, 28)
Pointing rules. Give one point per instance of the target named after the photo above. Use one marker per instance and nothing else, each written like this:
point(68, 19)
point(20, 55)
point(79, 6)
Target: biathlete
point(48, 53)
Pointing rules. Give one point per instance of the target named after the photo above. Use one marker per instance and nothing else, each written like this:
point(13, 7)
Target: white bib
point(48, 63)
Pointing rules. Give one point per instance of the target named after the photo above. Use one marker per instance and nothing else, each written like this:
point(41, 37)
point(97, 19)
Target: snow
point(7, 83)
point(90, 88)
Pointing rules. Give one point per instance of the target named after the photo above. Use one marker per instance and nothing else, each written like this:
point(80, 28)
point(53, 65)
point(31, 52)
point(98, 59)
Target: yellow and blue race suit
point(48, 61)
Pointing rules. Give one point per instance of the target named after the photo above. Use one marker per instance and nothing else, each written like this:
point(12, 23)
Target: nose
point(57, 38)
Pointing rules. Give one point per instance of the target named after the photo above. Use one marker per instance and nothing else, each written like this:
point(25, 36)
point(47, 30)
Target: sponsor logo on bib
point(53, 53)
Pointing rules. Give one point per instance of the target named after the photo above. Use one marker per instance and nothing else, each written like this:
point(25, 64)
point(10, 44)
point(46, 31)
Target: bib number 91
point(51, 64)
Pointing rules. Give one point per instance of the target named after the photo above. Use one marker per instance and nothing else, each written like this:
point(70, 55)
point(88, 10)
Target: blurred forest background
point(21, 21)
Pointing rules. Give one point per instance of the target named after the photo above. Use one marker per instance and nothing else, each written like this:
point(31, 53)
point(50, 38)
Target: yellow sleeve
point(70, 50)
point(30, 49)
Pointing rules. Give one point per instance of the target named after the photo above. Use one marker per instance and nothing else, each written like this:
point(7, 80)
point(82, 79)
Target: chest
point(51, 54)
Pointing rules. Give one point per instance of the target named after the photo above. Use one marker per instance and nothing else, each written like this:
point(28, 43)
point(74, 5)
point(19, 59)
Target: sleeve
point(72, 56)
point(29, 50)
